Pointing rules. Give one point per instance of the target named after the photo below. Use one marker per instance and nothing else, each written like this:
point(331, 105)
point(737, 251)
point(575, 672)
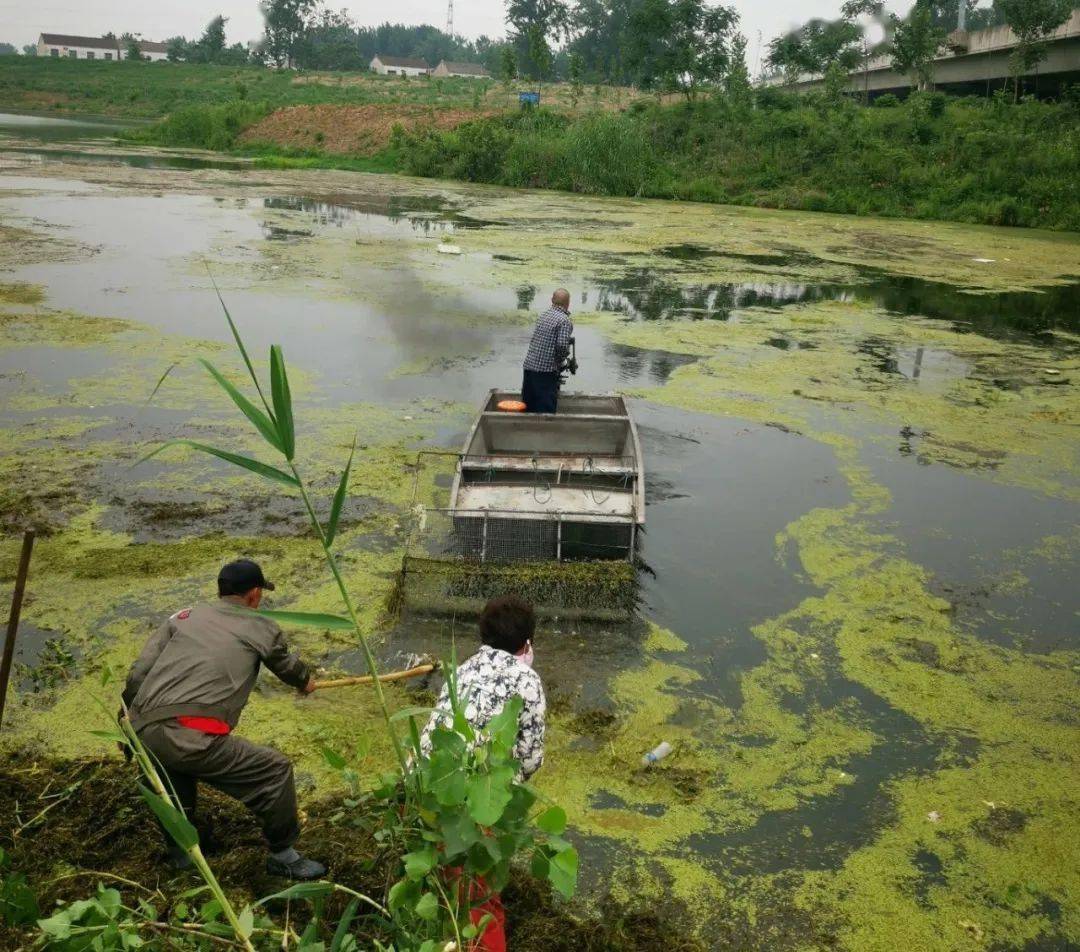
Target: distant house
point(474, 70)
point(155, 52)
point(60, 45)
point(78, 47)
point(398, 66)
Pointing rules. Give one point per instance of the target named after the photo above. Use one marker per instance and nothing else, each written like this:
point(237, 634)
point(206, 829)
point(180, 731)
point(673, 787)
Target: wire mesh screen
point(457, 560)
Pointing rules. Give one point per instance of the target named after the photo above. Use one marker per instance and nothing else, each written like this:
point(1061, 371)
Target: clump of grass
point(203, 126)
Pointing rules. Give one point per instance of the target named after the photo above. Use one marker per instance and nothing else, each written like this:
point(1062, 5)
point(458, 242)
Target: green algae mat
point(858, 610)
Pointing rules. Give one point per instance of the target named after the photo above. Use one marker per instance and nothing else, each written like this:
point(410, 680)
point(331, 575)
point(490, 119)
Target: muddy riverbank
point(859, 625)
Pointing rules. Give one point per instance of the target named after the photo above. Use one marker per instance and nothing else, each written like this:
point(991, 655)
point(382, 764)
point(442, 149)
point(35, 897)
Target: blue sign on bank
point(531, 99)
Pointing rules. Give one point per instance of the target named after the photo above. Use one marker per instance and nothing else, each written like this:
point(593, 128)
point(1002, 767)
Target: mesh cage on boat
point(456, 560)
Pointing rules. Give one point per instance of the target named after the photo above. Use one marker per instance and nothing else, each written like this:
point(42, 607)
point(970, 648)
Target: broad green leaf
point(429, 945)
point(427, 907)
point(401, 893)
point(258, 417)
point(450, 741)
point(459, 832)
point(333, 758)
point(339, 498)
point(446, 778)
point(58, 926)
point(470, 931)
point(419, 863)
point(108, 901)
point(300, 891)
point(175, 823)
point(489, 793)
point(563, 871)
point(341, 933)
point(552, 821)
point(244, 462)
point(409, 712)
point(503, 727)
point(279, 391)
point(246, 921)
point(306, 619)
point(521, 802)
point(539, 866)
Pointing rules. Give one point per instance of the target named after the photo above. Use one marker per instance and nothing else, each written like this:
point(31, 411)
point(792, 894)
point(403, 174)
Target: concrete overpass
point(971, 63)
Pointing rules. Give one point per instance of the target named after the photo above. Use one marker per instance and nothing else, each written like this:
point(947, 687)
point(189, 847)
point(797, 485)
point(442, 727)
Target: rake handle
point(367, 678)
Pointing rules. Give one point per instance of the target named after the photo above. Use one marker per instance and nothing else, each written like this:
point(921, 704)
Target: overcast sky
point(21, 22)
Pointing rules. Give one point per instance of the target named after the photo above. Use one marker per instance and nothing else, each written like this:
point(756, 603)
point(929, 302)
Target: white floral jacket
point(485, 683)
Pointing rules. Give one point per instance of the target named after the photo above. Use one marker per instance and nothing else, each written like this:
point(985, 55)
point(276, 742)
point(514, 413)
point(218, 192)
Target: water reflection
point(651, 295)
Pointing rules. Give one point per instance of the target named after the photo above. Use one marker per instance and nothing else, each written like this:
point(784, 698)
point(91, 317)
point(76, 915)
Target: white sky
point(21, 22)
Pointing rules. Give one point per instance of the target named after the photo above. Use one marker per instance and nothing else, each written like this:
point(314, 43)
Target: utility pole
point(450, 18)
point(961, 15)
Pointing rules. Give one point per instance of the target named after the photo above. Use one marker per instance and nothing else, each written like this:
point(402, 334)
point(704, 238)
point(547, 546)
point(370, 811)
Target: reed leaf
point(239, 343)
point(245, 462)
point(279, 390)
point(262, 421)
point(339, 498)
point(161, 380)
point(307, 619)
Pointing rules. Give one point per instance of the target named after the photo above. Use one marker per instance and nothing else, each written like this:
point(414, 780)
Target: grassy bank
point(971, 160)
point(152, 90)
point(968, 160)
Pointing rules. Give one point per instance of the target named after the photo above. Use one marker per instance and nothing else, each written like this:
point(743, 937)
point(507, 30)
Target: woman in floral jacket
point(499, 671)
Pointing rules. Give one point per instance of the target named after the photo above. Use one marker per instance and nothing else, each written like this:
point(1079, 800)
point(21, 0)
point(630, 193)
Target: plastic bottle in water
point(659, 752)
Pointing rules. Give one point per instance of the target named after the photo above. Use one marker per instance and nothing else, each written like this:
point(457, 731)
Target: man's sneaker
point(177, 859)
point(299, 868)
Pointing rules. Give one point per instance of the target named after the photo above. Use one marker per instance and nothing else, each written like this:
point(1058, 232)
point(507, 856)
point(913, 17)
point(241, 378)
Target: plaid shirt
point(553, 329)
point(485, 683)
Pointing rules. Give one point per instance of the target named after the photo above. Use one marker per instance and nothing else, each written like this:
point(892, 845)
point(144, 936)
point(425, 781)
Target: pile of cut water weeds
point(67, 825)
point(600, 589)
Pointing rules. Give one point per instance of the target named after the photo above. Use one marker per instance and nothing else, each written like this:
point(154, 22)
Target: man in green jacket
point(185, 694)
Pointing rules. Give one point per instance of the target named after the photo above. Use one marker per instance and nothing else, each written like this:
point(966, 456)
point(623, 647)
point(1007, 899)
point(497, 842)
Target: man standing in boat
point(549, 352)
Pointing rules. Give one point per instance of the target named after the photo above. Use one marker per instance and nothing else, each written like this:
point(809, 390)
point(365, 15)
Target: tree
point(737, 80)
point(832, 48)
point(576, 70)
point(539, 54)
point(331, 41)
point(212, 43)
point(531, 23)
point(1032, 21)
point(177, 49)
point(8, 49)
point(30, 49)
point(285, 24)
point(914, 43)
point(679, 45)
point(131, 47)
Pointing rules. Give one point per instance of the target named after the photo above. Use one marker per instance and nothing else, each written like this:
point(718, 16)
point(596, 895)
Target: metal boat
point(559, 486)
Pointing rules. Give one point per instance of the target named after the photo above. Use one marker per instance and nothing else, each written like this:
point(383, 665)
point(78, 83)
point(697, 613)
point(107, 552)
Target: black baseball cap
point(242, 576)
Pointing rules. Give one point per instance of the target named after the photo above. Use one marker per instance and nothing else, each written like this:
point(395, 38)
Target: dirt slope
point(349, 130)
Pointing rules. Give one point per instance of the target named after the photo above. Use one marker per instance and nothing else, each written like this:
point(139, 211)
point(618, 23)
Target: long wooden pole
point(367, 679)
point(13, 618)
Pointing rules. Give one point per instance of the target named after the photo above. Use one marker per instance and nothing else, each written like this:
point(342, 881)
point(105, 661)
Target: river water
point(859, 604)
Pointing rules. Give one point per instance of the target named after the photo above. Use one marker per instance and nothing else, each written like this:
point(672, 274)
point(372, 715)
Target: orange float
point(510, 406)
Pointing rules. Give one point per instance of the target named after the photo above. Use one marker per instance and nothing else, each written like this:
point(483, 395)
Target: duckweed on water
point(871, 700)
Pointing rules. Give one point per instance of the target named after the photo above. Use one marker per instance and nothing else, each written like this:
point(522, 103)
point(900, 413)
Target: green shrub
point(203, 126)
point(886, 101)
